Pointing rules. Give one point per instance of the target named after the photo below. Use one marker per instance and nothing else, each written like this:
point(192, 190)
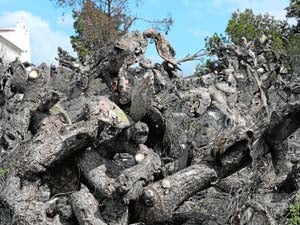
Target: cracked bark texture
point(112, 143)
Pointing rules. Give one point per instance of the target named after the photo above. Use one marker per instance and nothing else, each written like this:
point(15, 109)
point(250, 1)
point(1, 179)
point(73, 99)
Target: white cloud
point(44, 41)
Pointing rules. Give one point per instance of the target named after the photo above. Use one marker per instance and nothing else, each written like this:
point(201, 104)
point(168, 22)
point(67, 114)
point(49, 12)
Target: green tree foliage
point(211, 63)
point(3, 171)
point(293, 11)
point(215, 39)
point(284, 39)
point(99, 22)
point(293, 52)
point(247, 24)
point(96, 28)
point(294, 212)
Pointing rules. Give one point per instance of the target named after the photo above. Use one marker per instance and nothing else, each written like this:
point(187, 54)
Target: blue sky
point(194, 20)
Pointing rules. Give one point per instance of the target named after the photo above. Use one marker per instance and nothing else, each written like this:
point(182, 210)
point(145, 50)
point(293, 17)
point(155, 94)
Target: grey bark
point(99, 173)
point(161, 198)
point(150, 147)
point(86, 208)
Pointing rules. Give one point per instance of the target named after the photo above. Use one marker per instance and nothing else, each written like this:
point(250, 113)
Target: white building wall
point(8, 54)
point(3, 54)
point(20, 37)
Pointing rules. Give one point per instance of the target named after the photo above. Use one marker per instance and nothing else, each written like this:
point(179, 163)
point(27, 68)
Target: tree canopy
point(284, 38)
point(99, 22)
point(95, 28)
point(293, 11)
point(247, 24)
